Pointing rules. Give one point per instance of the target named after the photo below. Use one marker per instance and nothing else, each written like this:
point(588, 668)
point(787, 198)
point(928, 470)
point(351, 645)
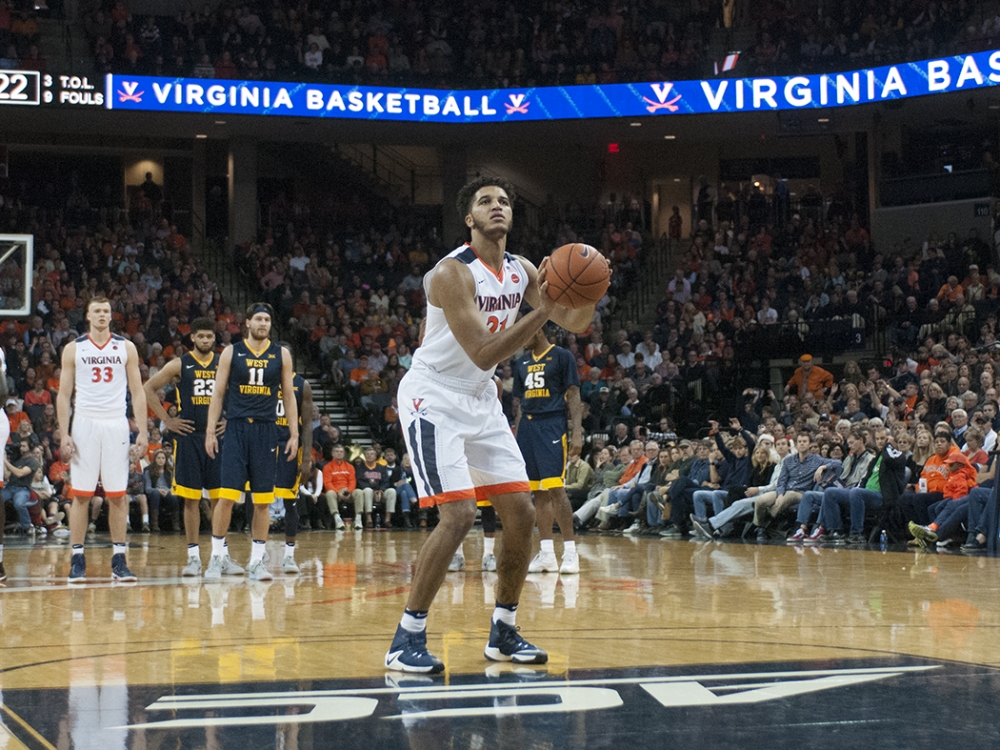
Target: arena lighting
point(670, 137)
point(612, 148)
point(635, 124)
point(201, 135)
point(623, 100)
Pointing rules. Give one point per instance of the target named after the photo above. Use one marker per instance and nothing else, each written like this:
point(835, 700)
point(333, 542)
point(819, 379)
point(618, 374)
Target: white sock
point(505, 614)
point(257, 551)
point(547, 548)
point(414, 622)
point(77, 549)
point(145, 517)
point(488, 545)
point(194, 551)
point(569, 547)
point(289, 550)
point(218, 546)
point(118, 549)
point(1, 553)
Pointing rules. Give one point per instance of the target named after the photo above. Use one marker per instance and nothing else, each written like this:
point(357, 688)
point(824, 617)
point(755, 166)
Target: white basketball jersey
point(101, 378)
point(498, 296)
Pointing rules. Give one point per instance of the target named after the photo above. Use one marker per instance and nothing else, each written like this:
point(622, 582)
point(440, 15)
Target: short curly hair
point(463, 203)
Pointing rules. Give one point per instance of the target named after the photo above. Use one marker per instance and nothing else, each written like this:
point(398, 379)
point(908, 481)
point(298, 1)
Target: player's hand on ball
point(545, 300)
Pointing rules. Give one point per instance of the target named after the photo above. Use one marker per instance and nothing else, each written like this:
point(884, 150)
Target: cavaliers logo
point(128, 92)
point(517, 104)
point(417, 403)
point(662, 91)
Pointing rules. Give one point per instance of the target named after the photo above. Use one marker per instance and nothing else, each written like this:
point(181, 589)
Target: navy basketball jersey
point(541, 383)
point(254, 381)
point(195, 388)
point(282, 420)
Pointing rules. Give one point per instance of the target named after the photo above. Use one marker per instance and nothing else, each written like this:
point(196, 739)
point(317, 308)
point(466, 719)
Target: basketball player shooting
point(455, 431)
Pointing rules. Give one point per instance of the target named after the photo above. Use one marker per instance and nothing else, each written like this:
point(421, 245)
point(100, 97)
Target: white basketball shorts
point(459, 442)
point(101, 453)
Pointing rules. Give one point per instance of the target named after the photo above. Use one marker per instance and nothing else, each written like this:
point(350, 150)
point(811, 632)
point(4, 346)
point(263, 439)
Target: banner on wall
point(648, 99)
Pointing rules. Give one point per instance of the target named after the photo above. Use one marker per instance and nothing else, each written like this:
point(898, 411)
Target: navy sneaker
point(78, 569)
point(120, 571)
point(506, 644)
point(3, 573)
point(408, 653)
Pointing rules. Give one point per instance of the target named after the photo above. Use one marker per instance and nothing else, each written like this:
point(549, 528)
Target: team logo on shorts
point(417, 403)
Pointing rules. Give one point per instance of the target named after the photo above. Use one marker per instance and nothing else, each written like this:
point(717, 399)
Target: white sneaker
point(91, 528)
point(606, 511)
point(259, 572)
point(289, 566)
point(489, 562)
point(193, 567)
point(214, 570)
point(634, 528)
point(457, 562)
point(359, 525)
point(61, 532)
point(230, 568)
point(338, 522)
point(570, 563)
point(544, 562)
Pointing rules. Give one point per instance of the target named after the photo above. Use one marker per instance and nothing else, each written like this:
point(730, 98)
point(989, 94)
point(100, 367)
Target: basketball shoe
point(408, 653)
point(506, 644)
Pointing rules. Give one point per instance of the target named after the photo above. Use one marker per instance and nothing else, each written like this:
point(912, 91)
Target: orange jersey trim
point(81, 493)
point(447, 497)
point(114, 495)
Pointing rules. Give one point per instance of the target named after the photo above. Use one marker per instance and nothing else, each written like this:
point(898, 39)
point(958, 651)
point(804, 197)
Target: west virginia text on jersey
point(195, 388)
point(254, 380)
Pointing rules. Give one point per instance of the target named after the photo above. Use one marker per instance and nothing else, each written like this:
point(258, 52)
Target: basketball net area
point(17, 255)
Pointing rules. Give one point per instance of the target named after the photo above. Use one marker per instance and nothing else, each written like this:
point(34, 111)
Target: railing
point(937, 187)
point(384, 164)
point(648, 289)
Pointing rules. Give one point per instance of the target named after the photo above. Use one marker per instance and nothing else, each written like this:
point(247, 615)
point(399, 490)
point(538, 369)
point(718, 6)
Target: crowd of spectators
point(816, 36)
point(380, 42)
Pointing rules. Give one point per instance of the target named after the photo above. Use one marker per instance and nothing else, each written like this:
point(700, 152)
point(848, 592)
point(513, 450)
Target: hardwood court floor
point(640, 607)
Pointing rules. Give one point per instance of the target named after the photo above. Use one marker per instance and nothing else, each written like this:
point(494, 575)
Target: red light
point(612, 148)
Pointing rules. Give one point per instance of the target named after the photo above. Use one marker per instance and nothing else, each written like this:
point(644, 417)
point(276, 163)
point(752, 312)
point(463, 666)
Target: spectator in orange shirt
point(14, 415)
point(950, 290)
point(339, 483)
point(809, 378)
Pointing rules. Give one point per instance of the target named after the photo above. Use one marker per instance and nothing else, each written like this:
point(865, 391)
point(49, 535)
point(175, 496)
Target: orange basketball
point(578, 275)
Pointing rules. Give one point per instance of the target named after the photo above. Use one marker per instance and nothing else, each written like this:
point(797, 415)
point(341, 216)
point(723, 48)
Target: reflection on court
point(103, 665)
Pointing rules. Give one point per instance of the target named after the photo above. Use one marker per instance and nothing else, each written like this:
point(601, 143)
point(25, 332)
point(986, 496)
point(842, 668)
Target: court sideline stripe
point(28, 728)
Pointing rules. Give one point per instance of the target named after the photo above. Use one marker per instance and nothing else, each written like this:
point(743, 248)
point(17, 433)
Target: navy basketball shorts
point(286, 475)
point(542, 440)
point(193, 469)
point(248, 457)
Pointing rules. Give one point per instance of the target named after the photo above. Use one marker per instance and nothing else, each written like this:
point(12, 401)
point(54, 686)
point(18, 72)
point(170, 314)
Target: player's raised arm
point(218, 398)
point(138, 396)
point(577, 320)
point(291, 407)
point(453, 289)
point(166, 375)
point(67, 381)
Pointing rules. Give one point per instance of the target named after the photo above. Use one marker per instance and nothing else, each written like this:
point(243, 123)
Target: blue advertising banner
point(660, 98)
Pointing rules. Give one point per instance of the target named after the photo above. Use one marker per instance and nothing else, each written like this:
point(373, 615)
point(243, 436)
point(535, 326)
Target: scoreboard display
point(29, 88)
